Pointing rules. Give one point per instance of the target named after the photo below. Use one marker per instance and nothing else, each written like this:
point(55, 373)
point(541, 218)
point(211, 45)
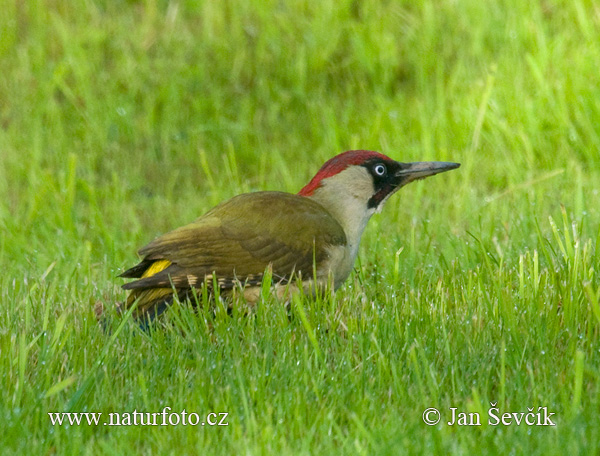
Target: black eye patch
point(384, 179)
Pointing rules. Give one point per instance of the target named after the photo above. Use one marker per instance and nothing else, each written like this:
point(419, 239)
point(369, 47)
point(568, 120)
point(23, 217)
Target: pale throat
point(346, 197)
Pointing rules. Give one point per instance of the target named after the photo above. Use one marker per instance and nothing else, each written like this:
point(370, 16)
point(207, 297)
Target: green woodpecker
point(303, 238)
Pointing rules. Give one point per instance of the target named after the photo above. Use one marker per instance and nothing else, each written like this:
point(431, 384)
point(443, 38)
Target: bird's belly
point(336, 269)
point(283, 292)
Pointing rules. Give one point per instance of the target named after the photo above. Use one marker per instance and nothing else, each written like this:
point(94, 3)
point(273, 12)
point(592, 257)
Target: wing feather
point(240, 238)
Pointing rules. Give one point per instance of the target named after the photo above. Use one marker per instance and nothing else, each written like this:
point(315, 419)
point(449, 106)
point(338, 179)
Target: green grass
point(122, 120)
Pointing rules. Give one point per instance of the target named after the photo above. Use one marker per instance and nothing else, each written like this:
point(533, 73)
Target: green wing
point(239, 239)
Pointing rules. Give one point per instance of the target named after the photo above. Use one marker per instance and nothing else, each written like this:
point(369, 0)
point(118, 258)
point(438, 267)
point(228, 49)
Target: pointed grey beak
point(419, 170)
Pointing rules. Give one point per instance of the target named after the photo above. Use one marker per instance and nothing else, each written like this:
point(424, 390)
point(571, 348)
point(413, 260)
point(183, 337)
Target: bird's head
point(366, 177)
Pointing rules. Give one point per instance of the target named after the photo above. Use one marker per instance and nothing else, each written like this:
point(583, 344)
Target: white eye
point(380, 169)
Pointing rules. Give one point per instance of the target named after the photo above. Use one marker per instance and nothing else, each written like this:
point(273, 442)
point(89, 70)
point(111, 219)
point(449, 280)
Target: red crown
point(338, 164)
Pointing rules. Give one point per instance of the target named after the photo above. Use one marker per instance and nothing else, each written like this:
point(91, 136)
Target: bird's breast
point(339, 263)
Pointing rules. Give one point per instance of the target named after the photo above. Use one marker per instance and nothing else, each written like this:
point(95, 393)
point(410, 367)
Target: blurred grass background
point(122, 120)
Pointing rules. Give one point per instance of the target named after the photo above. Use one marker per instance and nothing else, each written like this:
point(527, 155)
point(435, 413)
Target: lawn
point(121, 120)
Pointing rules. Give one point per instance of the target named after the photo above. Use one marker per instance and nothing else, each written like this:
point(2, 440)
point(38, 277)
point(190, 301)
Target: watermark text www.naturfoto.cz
point(135, 418)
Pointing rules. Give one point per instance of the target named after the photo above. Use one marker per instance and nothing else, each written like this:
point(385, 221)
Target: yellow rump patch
point(156, 267)
point(149, 297)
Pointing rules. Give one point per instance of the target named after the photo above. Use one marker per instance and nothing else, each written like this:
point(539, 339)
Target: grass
point(122, 120)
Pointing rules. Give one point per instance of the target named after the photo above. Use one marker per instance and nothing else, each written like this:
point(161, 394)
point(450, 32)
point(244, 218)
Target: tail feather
point(137, 271)
point(150, 302)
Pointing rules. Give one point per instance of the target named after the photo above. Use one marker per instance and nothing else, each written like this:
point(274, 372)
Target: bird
point(307, 241)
